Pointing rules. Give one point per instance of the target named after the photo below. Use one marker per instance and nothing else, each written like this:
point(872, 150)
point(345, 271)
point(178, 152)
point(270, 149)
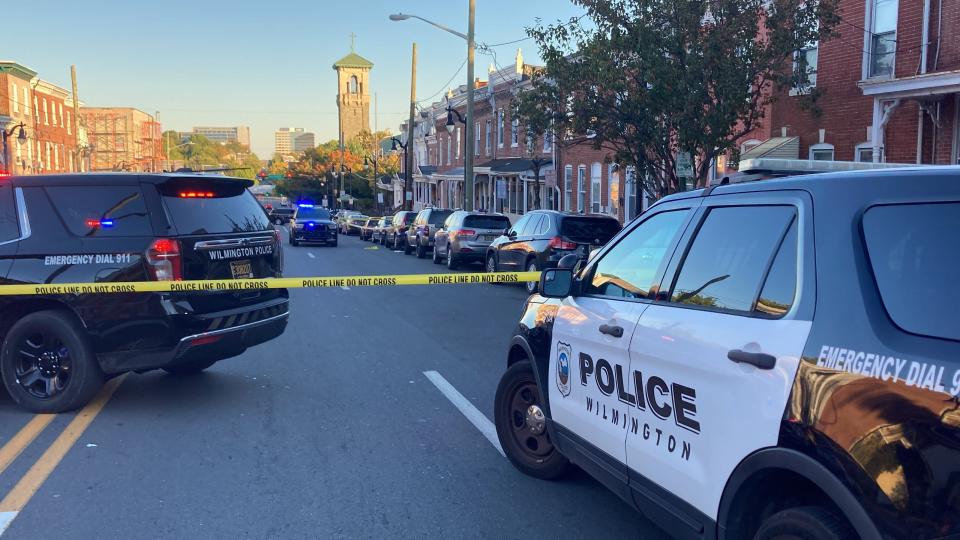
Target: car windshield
point(185, 351)
point(305, 212)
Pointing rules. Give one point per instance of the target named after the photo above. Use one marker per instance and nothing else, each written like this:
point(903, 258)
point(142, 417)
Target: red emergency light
point(196, 194)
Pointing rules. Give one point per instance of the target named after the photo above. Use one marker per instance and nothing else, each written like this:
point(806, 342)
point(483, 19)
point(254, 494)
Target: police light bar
point(96, 223)
point(305, 205)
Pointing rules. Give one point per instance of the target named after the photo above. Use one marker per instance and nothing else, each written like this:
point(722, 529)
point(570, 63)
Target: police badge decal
point(564, 353)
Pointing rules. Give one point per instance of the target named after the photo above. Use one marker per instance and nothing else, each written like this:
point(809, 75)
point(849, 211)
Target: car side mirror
point(556, 283)
point(510, 233)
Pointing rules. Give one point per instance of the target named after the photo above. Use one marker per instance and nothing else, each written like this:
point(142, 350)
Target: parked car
point(343, 216)
point(378, 231)
point(395, 234)
point(57, 349)
point(541, 238)
point(366, 232)
point(313, 225)
point(775, 359)
point(281, 215)
point(355, 224)
point(420, 234)
point(465, 237)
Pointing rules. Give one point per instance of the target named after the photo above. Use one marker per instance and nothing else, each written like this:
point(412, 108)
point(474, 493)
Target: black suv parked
point(765, 360)
point(539, 239)
point(420, 235)
point(57, 349)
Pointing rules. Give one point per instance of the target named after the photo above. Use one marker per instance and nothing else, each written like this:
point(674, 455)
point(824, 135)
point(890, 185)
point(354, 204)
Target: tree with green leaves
point(649, 79)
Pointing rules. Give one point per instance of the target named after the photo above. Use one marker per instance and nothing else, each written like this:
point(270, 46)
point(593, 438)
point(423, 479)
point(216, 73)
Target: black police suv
point(776, 359)
point(311, 224)
point(57, 349)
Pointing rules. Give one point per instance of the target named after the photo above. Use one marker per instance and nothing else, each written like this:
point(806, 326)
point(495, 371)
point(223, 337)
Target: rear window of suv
point(589, 230)
point(487, 222)
point(231, 209)
point(915, 253)
point(102, 211)
point(437, 217)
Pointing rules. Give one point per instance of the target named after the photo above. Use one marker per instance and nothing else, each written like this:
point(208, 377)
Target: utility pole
point(77, 156)
point(408, 158)
point(468, 158)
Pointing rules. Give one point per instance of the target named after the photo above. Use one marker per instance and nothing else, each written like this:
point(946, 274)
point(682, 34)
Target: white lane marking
point(5, 519)
point(344, 287)
point(311, 255)
point(477, 418)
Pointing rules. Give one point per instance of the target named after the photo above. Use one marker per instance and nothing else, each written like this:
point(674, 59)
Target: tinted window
point(104, 211)
point(628, 270)
point(9, 229)
point(238, 213)
point(312, 213)
point(531, 224)
point(915, 253)
point(438, 216)
point(780, 288)
point(597, 231)
point(728, 259)
point(544, 226)
point(487, 222)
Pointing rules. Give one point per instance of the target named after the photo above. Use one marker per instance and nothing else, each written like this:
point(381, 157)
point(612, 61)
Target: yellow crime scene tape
point(216, 285)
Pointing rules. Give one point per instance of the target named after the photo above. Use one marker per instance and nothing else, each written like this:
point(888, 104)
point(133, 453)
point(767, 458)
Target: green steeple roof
point(353, 60)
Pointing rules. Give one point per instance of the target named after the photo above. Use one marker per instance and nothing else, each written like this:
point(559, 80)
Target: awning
point(452, 174)
point(512, 166)
point(776, 147)
point(928, 84)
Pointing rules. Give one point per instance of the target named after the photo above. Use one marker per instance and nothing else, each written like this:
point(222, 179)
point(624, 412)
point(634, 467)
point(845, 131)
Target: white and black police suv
point(774, 359)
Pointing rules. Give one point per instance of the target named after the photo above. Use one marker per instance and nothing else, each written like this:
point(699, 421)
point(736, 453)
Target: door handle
point(759, 359)
point(611, 330)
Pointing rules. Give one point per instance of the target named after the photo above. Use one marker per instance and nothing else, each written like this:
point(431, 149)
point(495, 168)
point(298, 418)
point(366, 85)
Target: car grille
point(222, 323)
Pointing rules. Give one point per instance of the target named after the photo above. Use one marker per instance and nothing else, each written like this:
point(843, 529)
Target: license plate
point(241, 269)
point(489, 237)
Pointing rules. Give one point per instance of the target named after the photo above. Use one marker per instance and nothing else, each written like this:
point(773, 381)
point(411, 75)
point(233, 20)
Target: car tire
point(531, 286)
point(396, 242)
point(452, 262)
point(421, 251)
point(58, 339)
point(334, 243)
point(524, 439)
point(436, 255)
point(191, 367)
point(407, 248)
point(805, 523)
point(491, 264)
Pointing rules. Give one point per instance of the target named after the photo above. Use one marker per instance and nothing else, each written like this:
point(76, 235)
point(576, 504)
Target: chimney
point(519, 61)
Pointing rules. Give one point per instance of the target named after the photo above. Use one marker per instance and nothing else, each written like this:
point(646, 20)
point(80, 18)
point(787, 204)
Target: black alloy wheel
point(47, 365)
point(522, 425)
point(436, 254)
point(421, 251)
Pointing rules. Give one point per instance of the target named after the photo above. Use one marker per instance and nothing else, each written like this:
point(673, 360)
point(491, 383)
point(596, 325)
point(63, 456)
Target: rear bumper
point(190, 336)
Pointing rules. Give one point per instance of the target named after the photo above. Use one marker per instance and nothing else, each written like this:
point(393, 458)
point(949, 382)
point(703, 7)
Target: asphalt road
point(333, 430)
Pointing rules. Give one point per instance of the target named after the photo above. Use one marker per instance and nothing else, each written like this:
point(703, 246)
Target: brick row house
point(891, 83)
point(49, 143)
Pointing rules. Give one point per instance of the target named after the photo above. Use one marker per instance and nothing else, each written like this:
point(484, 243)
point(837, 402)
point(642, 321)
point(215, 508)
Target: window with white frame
point(883, 37)
point(613, 188)
point(60, 110)
point(568, 187)
point(14, 99)
point(596, 171)
point(547, 142)
point(476, 140)
point(631, 186)
point(486, 145)
point(458, 142)
point(46, 117)
point(36, 110)
point(449, 145)
point(805, 68)
point(515, 133)
point(821, 152)
point(69, 123)
point(500, 128)
point(581, 188)
point(864, 153)
point(26, 101)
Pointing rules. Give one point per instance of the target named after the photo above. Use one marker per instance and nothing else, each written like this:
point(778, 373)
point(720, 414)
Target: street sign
point(684, 165)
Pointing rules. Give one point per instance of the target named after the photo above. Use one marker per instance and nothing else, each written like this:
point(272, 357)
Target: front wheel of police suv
point(47, 365)
point(521, 425)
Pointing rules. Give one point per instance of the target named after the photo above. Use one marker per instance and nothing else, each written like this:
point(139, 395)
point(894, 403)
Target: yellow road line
point(23, 438)
point(20, 495)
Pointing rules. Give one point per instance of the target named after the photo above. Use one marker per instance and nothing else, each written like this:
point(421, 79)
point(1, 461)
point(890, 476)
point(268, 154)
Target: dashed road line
point(477, 418)
point(311, 255)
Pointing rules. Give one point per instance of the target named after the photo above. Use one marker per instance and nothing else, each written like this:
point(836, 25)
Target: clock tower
point(353, 94)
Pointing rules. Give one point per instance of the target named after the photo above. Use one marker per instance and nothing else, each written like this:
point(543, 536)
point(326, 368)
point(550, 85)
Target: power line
point(445, 86)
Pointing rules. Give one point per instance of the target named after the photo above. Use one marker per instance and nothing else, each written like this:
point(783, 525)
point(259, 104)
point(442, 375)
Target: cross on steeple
point(353, 41)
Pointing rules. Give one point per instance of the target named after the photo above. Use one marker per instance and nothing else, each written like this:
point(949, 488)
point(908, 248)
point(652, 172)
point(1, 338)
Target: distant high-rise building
point(291, 140)
point(237, 134)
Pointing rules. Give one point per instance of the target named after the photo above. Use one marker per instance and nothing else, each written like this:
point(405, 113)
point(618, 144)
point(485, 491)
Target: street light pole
point(408, 156)
point(471, 134)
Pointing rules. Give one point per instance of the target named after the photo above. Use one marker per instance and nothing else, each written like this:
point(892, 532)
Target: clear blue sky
point(257, 63)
